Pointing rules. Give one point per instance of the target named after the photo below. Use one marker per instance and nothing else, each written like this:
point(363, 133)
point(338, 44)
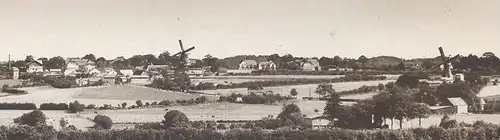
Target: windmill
point(183, 58)
point(446, 65)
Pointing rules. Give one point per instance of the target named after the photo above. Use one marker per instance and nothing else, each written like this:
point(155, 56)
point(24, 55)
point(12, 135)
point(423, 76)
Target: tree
point(165, 58)
point(325, 62)
point(333, 108)
point(139, 103)
point(33, 118)
point(363, 60)
point(90, 57)
point(401, 66)
point(29, 58)
point(63, 122)
point(102, 121)
point(175, 119)
point(124, 104)
point(324, 89)
point(55, 63)
point(75, 107)
point(418, 110)
point(276, 59)
point(427, 64)
point(211, 62)
point(408, 80)
point(291, 116)
point(293, 92)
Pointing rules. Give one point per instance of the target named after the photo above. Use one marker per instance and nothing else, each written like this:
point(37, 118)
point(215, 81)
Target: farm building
point(34, 66)
point(267, 65)
point(74, 64)
point(248, 64)
point(127, 72)
point(454, 105)
point(15, 73)
point(311, 65)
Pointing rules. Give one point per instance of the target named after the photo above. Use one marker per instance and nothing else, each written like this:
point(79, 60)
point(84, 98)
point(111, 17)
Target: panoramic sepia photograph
point(249, 70)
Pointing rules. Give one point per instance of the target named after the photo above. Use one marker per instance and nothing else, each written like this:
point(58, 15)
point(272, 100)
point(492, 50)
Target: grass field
point(490, 92)
point(9, 82)
point(304, 90)
point(112, 95)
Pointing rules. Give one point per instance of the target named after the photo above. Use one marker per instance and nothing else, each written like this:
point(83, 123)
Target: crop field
point(7, 118)
point(303, 90)
point(99, 96)
point(490, 92)
point(9, 82)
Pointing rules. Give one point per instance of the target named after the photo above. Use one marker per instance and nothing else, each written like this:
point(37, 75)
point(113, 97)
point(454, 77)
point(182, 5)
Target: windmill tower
point(447, 76)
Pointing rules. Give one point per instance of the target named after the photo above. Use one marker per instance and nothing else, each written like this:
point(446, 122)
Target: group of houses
point(308, 65)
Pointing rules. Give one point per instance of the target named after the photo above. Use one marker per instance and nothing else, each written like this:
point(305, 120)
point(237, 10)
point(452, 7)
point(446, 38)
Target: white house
point(127, 72)
point(248, 64)
point(74, 64)
point(34, 66)
point(311, 65)
point(459, 105)
point(15, 73)
point(267, 65)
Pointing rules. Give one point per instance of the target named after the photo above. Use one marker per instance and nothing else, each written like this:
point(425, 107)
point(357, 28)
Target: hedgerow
point(54, 106)
point(18, 106)
point(432, 133)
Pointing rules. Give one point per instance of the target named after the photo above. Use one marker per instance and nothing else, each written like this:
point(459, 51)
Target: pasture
point(10, 82)
point(112, 95)
point(303, 90)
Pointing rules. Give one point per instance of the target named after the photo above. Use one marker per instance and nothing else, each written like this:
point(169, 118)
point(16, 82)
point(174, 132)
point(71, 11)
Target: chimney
point(10, 66)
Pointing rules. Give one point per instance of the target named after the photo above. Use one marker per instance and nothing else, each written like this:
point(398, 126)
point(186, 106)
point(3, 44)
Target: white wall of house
point(308, 66)
point(71, 68)
point(462, 109)
point(245, 65)
point(33, 69)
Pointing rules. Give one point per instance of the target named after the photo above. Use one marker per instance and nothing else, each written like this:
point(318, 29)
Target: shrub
point(175, 119)
point(221, 126)
point(90, 106)
point(201, 99)
point(139, 103)
point(18, 106)
point(75, 107)
point(155, 125)
point(63, 122)
point(147, 104)
point(14, 91)
point(165, 103)
point(102, 121)
point(154, 103)
point(105, 107)
point(63, 82)
point(33, 118)
point(53, 106)
point(124, 104)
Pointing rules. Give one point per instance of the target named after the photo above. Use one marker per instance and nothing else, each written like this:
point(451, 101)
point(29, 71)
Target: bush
point(154, 103)
point(102, 121)
point(139, 103)
point(18, 106)
point(175, 119)
point(124, 104)
point(34, 118)
point(155, 125)
point(201, 99)
point(105, 107)
point(53, 106)
point(14, 91)
point(63, 82)
point(165, 103)
point(90, 106)
point(75, 107)
point(147, 104)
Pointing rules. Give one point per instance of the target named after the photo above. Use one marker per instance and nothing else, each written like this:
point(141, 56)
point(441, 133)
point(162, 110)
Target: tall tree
point(56, 63)
point(276, 59)
point(90, 57)
point(324, 89)
point(363, 60)
point(325, 62)
point(165, 58)
point(29, 58)
point(333, 108)
point(337, 61)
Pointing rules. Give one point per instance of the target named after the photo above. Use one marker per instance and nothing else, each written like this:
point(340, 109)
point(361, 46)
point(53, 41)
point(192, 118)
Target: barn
point(459, 105)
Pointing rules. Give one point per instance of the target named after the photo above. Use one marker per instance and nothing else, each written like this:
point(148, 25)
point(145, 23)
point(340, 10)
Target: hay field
point(99, 96)
point(131, 92)
point(303, 90)
point(10, 82)
point(7, 118)
point(490, 92)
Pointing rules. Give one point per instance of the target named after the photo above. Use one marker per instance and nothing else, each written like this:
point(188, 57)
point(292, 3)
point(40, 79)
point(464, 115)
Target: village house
point(267, 65)
point(311, 65)
point(248, 64)
point(34, 66)
point(454, 105)
point(76, 65)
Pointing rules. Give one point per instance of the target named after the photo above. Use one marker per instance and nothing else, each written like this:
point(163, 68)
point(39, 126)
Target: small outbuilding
point(459, 105)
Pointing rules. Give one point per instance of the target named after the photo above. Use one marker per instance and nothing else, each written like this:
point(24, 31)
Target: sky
point(222, 28)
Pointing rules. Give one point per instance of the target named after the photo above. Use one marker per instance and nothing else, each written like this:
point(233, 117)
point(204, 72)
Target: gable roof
point(34, 62)
point(457, 101)
point(79, 62)
point(150, 67)
point(250, 62)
